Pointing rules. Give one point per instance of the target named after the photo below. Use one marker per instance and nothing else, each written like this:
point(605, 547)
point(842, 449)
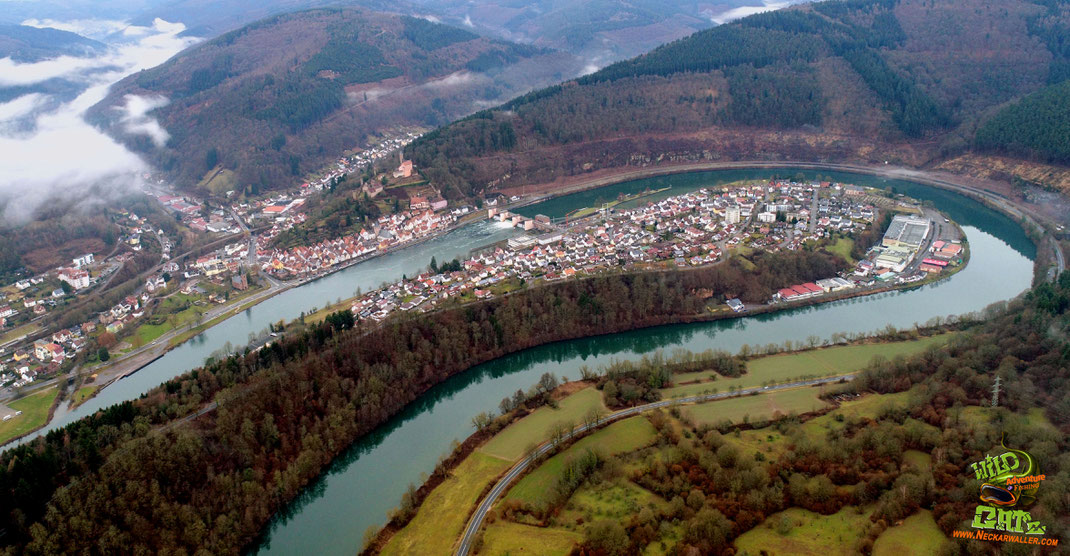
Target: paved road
point(813, 212)
point(475, 523)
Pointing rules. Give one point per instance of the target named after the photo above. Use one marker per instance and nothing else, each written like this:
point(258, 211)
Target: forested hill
point(903, 81)
point(280, 97)
point(23, 43)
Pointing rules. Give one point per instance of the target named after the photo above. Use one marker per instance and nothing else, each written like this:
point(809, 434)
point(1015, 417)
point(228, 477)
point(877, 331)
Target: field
point(619, 438)
point(757, 408)
point(918, 534)
point(441, 518)
point(842, 247)
point(16, 333)
point(920, 460)
point(512, 442)
point(506, 537)
point(173, 316)
point(809, 533)
point(217, 180)
point(813, 363)
point(34, 410)
point(83, 394)
point(770, 442)
point(235, 306)
point(616, 500)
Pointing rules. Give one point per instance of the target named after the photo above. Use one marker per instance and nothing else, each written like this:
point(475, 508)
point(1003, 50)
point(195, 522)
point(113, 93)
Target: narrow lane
point(476, 522)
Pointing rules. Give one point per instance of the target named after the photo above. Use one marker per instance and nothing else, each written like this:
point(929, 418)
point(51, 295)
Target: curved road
point(475, 523)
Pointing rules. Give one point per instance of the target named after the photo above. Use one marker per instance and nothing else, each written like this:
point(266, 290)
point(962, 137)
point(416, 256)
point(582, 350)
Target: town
point(692, 229)
point(652, 230)
point(39, 340)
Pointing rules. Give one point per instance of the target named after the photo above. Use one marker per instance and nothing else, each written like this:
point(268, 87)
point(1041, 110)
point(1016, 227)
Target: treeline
point(774, 97)
point(1052, 26)
point(715, 49)
point(284, 411)
point(768, 70)
point(1026, 346)
point(270, 98)
point(629, 383)
point(913, 111)
point(1038, 126)
point(432, 36)
point(342, 212)
point(717, 488)
point(51, 240)
point(871, 235)
point(349, 59)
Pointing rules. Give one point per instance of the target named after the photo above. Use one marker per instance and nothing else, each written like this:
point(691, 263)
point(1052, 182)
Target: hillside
point(285, 95)
point(23, 43)
point(871, 81)
point(599, 31)
point(1038, 126)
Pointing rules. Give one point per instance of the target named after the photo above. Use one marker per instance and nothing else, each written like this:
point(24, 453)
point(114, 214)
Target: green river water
point(361, 486)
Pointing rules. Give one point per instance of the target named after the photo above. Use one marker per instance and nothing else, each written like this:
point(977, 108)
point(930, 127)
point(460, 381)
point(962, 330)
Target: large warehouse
point(906, 231)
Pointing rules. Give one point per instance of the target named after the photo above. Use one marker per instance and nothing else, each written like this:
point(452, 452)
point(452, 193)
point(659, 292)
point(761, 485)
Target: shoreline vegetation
point(888, 459)
point(622, 175)
point(540, 400)
point(256, 392)
point(588, 303)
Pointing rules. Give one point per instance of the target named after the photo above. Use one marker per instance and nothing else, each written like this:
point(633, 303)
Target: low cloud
point(455, 79)
point(744, 11)
point(468, 21)
point(135, 119)
point(16, 116)
point(48, 148)
point(98, 29)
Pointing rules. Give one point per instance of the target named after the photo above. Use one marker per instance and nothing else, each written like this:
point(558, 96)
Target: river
point(365, 482)
point(287, 306)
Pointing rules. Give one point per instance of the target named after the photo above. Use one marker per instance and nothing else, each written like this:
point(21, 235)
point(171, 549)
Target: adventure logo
point(1009, 484)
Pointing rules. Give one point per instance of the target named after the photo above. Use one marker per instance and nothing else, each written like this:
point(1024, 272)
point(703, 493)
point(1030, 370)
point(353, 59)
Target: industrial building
point(906, 231)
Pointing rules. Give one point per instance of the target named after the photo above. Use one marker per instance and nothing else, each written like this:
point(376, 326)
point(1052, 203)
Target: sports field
point(34, 410)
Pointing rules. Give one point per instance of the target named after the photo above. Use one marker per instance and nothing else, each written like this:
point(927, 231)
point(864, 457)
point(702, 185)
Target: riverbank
point(615, 178)
point(365, 477)
point(995, 195)
point(449, 507)
point(375, 470)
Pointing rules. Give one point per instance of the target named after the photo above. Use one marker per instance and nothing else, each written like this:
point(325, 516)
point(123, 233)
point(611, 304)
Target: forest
point(719, 483)
point(883, 72)
point(1038, 126)
point(324, 81)
point(152, 482)
point(342, 212)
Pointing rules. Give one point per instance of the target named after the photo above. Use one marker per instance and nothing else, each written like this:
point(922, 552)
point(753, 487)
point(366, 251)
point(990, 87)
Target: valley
point(601, 278)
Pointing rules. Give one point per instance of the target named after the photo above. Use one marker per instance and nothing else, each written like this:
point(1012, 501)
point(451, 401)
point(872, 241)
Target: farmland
point(34, 408)
point(512, 442)
point(757, 408)
point(793, 366)
point(619, 438)
point(442, 515)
